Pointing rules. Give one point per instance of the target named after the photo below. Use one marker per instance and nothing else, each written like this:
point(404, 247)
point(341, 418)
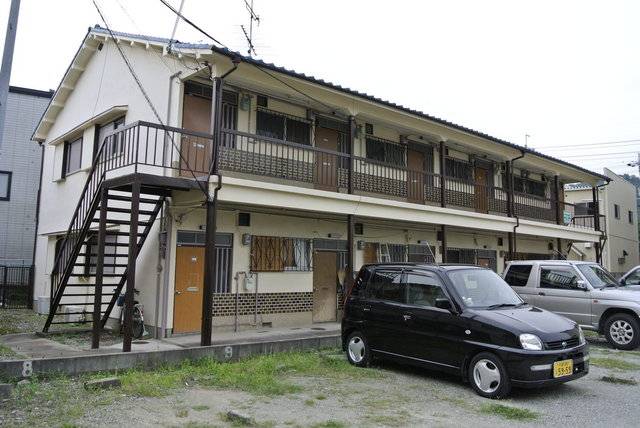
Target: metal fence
point(16, 287)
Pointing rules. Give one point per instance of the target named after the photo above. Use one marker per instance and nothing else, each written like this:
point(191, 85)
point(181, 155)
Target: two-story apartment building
point(618, 216)
point(314, 180)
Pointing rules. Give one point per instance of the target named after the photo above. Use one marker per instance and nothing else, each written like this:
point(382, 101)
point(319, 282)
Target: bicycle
point(138, 316)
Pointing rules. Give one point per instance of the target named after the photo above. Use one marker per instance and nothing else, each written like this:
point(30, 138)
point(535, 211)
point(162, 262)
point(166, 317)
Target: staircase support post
point(131, 266)
point(210, 273)
point(97, 298)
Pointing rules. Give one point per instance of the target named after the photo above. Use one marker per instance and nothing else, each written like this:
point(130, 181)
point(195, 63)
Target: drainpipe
point(35, 235)
point(596, 220)
point(210, 267)
point(512, 204)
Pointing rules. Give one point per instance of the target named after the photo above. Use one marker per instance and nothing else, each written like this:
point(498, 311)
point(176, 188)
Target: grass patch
point(613, 363)
point(7, 353)
point(182, 413)
point(321, 397)
point(508, 412)
point(618, 380)
point(200, 408)
point(329, 424)
point(591, 333)
point(309, 402)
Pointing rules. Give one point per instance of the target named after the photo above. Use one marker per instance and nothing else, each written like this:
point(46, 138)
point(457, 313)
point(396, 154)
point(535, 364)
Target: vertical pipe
point(97, 293)
point(443, 183)
point(131, 266)
point(507, 184)
point(348, 282)
point(510, 245)
point(443, 230)
point(352, 136)
point(556, 185)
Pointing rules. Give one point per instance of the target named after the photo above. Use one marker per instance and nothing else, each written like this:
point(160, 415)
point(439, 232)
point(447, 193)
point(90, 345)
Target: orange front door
point(326, 164)
point(187, 312)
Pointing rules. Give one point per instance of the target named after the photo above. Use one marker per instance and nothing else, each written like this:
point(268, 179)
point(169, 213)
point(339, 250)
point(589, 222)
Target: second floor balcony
point(156, 149)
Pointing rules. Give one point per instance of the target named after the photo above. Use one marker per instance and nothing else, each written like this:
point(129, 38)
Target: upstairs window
point(616, 211)
point(529, 186)
point(115, 145)
point(459, 169)
point(5, 185)
point(72, 157)
point(585, 208)
point(630, 217)
point(385, 151)
point(283, 127)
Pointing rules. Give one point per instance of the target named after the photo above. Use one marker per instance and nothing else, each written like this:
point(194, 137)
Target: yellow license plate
point(563, 368)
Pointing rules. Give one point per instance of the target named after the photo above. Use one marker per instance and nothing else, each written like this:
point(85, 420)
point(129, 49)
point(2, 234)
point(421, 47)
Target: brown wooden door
point(415, 176)
point(187, 312)
point(484, 262)
point(481, 190)
point(326, 164)
point(196, 116)
point(325, 276)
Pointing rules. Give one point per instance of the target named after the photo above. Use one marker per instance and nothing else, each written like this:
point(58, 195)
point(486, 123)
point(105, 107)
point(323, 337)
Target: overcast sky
point(565, 72)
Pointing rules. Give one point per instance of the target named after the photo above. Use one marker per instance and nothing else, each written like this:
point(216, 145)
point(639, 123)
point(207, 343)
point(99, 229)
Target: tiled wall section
point(224, 304)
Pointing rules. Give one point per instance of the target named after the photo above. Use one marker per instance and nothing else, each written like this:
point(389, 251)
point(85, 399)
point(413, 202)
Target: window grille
point(529, 186)
point(278, 254)
point(385, 151)
point(110, 252)
point(456, 168)
point(421, 253)
point(283, 126)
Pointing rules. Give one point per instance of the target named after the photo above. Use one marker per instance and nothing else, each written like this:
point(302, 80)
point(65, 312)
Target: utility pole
point(636, 163)
point(7, 61)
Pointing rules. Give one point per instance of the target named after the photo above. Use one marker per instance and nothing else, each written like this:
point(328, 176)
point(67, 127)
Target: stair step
point(95, 254)
point(71, 322)
point(76, 313)
point(81, 303)
point(84, 295)
point(106, 275)
point(105, 264)
point(124, 233)
point(124, 222)
point(127, 211)
point(128, 198)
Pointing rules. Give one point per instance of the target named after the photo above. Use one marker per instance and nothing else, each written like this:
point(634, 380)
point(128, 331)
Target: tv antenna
point(252, 18)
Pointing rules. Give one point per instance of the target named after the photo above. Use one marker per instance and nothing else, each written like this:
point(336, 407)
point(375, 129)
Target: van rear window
point(518, 275)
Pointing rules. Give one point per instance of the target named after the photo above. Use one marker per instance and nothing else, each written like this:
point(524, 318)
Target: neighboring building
point(619, 222)
point(317, 180)
point(20, 175)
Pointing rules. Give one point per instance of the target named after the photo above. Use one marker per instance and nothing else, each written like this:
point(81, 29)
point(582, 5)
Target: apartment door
point(325, 274)
point(481, 190)
point(195, 151)
point(326, 164)
point(415, 176)
point(187, 313)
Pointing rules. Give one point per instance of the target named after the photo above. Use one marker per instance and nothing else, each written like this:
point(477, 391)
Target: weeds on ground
point(613, 363)
point(7, 353)
point(508, 412)
point(618, 380)
point(329, 424)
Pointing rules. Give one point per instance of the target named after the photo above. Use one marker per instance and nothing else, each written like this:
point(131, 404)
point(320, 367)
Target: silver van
point(583, 292)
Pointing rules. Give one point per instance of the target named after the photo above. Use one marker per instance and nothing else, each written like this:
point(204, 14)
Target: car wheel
point(488, 376)
point(622, 331)
point(358, 352)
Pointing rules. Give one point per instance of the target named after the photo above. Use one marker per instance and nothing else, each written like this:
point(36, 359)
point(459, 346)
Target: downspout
point(603, 234)
point(513, 211)
point(167, 240)
point(35, 235)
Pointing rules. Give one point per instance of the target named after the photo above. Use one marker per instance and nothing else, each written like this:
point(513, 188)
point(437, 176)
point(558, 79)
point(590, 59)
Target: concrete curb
point(152, 359)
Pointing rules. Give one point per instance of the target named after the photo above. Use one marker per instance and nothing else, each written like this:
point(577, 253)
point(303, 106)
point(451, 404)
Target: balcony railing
point(150, 147)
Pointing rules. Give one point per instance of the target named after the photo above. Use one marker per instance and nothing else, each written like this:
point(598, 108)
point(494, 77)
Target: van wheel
point(358, 352)
point(622, 331)
point(488, 376)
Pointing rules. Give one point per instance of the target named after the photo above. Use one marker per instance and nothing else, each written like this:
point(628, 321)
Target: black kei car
point(463, 320)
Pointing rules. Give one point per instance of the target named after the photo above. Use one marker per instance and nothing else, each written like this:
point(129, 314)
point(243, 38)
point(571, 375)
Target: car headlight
point(581, 337)
point(530, 342)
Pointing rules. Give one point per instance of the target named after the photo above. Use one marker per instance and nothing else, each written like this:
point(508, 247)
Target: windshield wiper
point(503, 305)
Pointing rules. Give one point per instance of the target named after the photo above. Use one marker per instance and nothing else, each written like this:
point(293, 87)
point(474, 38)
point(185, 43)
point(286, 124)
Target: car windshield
point(597, 276)
point(483, 288)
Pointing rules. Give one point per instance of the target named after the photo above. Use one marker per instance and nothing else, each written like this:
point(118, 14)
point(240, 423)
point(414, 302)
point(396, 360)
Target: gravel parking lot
point(323, 391)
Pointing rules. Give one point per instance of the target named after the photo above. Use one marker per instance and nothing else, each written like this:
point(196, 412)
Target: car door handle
point(406, 317)
point(542, 294)
point(366, 309)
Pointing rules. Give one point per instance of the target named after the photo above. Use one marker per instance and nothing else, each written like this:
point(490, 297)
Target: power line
point(188, 21)
point(577, 146)
point(600, 154)
point(146, 97)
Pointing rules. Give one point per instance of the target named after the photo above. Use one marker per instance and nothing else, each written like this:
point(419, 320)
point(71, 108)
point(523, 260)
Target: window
point(385, 285)
point(584, 208)
point(110, 252)
point(518, 275)
point(385, 151)
point(597, 276)
point(456, 168)
point(633, 278)
point(283, 127)
point(616, 211)
point(423, 289)
point(115, 145)
point(397, 252)
point(72, 157)
point(529, 186)
point(421, 253)
point(559, 277)
point(5, 185)
point(630, 214)
point(276, 254)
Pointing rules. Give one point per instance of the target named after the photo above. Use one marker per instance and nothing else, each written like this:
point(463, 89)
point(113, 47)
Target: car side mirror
point(444, 303)
point(622, 281)
point(582, 285)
